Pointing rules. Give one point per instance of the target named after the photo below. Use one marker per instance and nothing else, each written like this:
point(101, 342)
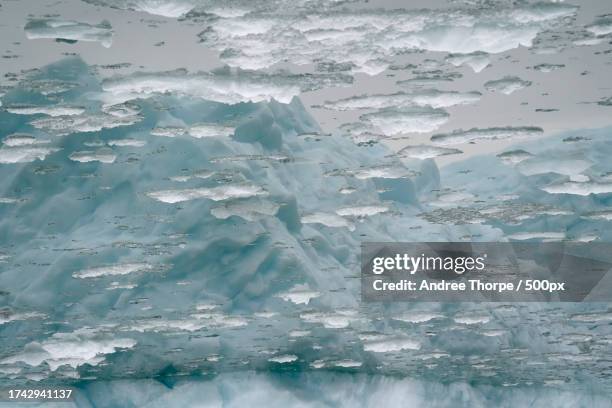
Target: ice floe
point(423, 152)
point(300, 294)
point(429, 97)
point(213, 193)
point(396, 121)
point(83, 346)
point(495, 133)
point(507, 84)
point(113, 270)
point(69, 30)
point(327, 219)
point(25, 153)
point(225, 86)
point(50, 110)
point(250, 210)
point(102, 155)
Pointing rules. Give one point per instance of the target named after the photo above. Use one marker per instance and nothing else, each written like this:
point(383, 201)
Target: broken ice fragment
point(566, 166)
point(327, 219)
point(423, 152)
point(545, 236)
point(70, 30)
point(514, 156)
point(507, 84)
point(475, 134)
point(250, 210)
point(362, 211)
point(579, 188)
point(65, 125)
point(19, 139)
point(113, 270)
point(213, 193)
point(82, 346)
point(331, 320)
point(299, 294)
point(548, 67)
point(127, 143)
point(392, 121)
point(601, 26)
point(387, 344)
point(103, 155)
point(49, 110)
point(476, 60)
point(429, 97)
point(472, 319)
point(284, 358)
point(201, 130)
point(224, 86)
point(168, 131)
point(24, 153)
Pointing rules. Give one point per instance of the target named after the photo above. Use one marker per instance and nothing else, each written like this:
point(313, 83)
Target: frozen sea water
point(109, 276)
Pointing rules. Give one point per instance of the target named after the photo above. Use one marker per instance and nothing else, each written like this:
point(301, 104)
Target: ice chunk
point(191, 323)
point(164, 8)
point(387, 344)
point(545, 236)
point(299, 294)
point(429, 97)
point(50, 86)
point(507, 84)
point(423, 152)
point(418, 317)
point(122, 110)
point(213, 193)
point(365, 42)
point(65, 125)
point(70, 31)
point(327, 219)
point(50, 110)
point(514, 156)
point(103, 155)
point(599, 215)
point(7, 316)
point(579, 188)
point(566, 166)
point(495, 133)
point(168, 131)
point(83, 346)
point(25, 153)
point(113, 270)
point(283, 358)
point(472, 319)
point(201, 130)
point(362, 210)
point(299, 333)
point(250, 210)
point(345, 363)
point(381, 171)
point(7, 200)
point(592, 317)
point(394, 121)
point(225, 86)
point(601, 26)
point(548, 67)
point(19, 139)
point(127, 142)
point(332, 320)
point(476, 60)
